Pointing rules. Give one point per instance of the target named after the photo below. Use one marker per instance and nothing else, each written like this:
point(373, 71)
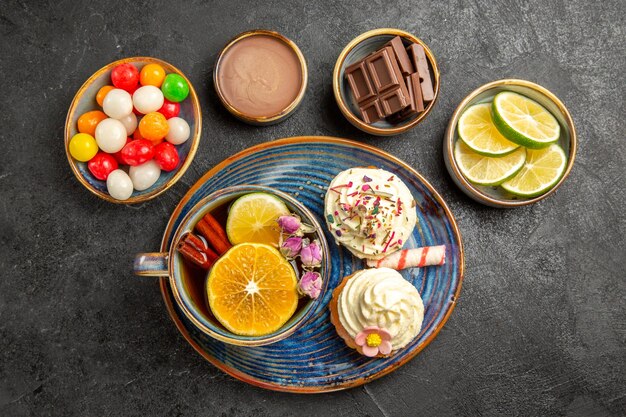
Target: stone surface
point(540, 328)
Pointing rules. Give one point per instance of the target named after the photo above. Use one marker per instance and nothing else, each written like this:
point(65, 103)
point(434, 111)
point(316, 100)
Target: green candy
point(175, 88)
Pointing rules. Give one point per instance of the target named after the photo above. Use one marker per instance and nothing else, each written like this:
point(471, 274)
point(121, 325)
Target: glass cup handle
point(152, 264)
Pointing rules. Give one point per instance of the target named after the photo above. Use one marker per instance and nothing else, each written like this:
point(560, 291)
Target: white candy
point(119, 185)
point(130, 123)
point(111, 135)
point(117, 103)
point(145, 175)
point(179, 131)
point(148, 99)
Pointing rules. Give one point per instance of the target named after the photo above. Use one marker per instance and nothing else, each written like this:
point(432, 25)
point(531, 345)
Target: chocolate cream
point(260, 76)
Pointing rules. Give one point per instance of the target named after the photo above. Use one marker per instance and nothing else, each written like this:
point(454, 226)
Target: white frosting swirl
point(370, 211)
point(381, 297)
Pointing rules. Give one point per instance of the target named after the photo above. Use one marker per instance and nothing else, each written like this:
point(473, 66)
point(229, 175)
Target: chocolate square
point(360, 82)
point(381, 70)
point(371, 112)
point(393, 101)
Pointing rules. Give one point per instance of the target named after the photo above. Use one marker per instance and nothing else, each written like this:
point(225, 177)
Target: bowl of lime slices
point(510, 143)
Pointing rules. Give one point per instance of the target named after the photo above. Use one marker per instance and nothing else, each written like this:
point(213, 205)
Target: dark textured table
point(540, 328)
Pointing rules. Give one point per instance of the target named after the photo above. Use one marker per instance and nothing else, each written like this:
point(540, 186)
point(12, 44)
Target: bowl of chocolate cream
point(260, 77)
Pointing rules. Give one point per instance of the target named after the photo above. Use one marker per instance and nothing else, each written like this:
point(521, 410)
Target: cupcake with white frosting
point(376, 311)
point(370, 211)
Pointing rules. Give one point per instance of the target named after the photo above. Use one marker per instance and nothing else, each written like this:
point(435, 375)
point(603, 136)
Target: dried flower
point(311, 254)
point(291, 247)
point(292, 225)
point(289, 224)
point(310, 284)
point(373, 340)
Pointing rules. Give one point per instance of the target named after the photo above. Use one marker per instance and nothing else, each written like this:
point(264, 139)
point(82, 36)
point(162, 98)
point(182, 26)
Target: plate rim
point(164, 283)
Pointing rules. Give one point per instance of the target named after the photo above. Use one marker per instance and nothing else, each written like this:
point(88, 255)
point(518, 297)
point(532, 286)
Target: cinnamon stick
point(216, 226)
point(195, 250)
point(215, 237)
point(201, 245)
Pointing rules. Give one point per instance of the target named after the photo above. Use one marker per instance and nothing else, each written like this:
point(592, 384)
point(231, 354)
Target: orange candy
point(153, 126)
point(88, 121)
point(137, 135)
point(103, 92)
point(152, 74)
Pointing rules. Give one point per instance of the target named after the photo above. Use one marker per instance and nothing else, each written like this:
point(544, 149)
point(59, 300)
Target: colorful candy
point(166, 156)
point(145, 175)
point(125, 77)
point(111, 135)
point(102, 92)
point(175, 88)
point(152, 74)
point(102, 165)
point(153, 126)
point(130, 123)
point(178, 131)
point(88, 121)
point(83, 147)
point(117, 103)
point(169, 109)
point(137, 152)
point(119, 185)
point(148, 99)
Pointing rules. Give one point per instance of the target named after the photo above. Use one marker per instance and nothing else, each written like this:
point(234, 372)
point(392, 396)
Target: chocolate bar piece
point(421, 64)
point(393, 102)
point(386, 75)
point(382, 71)
point(416, 104)
point(416, 97)
point(371, 111)
point(406, 66)
point(359, 81)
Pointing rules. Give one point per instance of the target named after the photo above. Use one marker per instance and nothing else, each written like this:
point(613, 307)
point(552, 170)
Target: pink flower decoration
point(373, 340)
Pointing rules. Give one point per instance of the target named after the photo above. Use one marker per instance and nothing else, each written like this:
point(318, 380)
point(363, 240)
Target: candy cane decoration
point(410, 258)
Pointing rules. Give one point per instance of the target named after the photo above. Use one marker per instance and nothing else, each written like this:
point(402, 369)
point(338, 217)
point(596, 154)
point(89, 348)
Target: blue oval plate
point(315, 359)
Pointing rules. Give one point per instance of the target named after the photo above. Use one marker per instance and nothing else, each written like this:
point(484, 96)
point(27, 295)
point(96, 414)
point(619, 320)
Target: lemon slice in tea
point(253, 218)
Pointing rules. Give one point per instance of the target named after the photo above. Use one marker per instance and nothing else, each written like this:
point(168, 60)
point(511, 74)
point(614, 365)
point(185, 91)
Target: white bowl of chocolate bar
point(386, 81)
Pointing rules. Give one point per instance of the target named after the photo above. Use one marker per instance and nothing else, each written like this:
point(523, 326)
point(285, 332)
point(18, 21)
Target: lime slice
point(253, 219)
point(485, 170)
point(524, 121)
point(542, 170)
point(480, 134)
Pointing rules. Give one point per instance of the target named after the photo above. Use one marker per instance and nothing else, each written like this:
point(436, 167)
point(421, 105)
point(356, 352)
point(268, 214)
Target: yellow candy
point(83, 147)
